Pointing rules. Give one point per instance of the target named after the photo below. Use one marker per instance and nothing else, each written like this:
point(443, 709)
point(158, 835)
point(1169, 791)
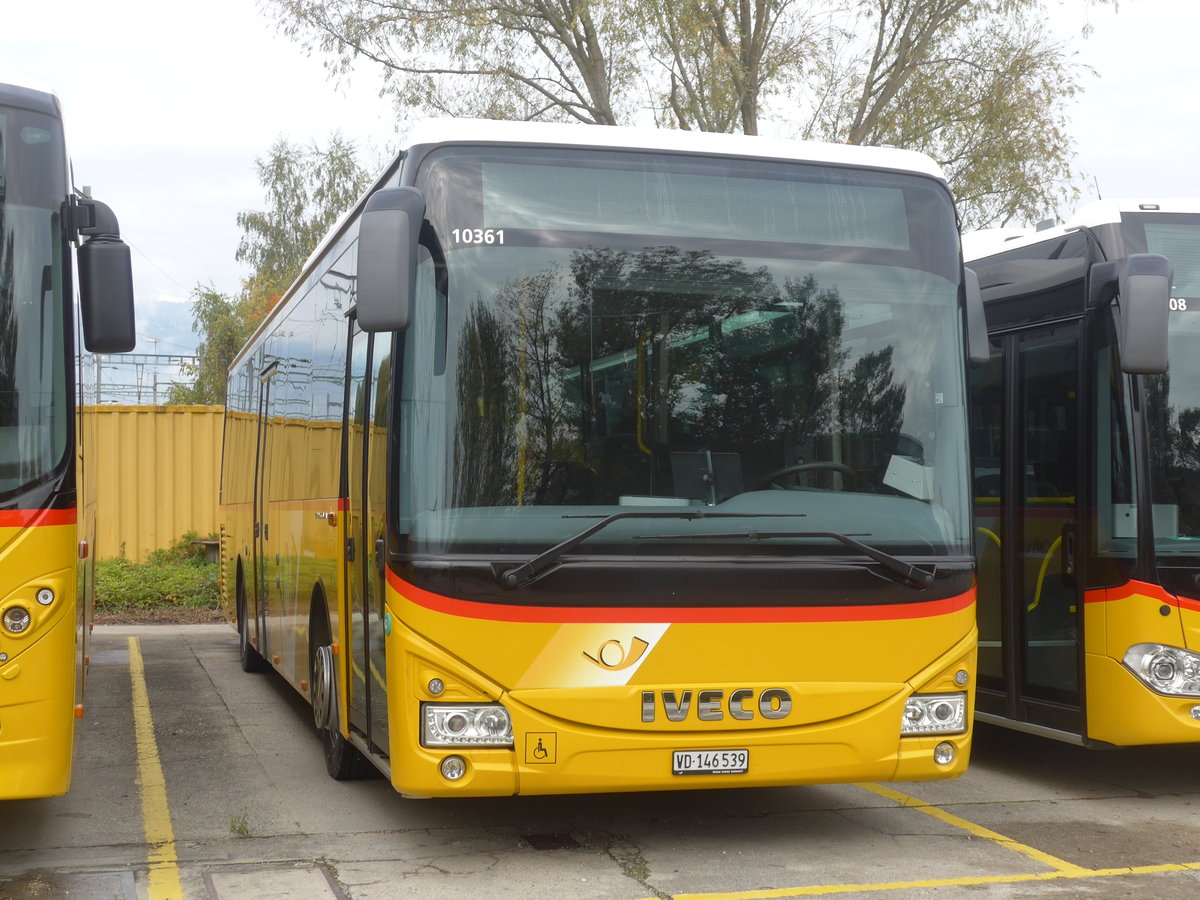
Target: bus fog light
point(1196, 713)
point(45, 596)
point(1167, 670)
point(16, 619)
point(944, 753)
point(457, 724)
point(453, 768)
point(934, 714)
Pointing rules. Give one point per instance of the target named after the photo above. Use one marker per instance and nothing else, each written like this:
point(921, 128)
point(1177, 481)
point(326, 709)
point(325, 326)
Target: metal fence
point(132, 378)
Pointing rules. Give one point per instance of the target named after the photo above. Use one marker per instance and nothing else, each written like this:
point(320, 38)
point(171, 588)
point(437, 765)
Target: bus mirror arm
point(105, 278)
point(388, 234)
point(978, 348)
point(1140, 284)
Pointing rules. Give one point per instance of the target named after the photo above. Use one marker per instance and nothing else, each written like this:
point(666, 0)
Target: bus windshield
point(33, 374)
point(1173, 399)
point(614, 331)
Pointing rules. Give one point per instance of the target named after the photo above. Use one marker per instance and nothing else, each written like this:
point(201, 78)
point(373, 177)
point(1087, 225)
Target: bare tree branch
point(974, 83)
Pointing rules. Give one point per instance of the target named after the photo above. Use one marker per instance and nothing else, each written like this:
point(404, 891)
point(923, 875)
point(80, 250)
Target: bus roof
point(489, 131)
point(27, 98)
point(977, 244)
point(1104, 212)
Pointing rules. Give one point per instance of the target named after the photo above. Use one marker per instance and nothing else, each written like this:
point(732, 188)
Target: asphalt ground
point(193, 779)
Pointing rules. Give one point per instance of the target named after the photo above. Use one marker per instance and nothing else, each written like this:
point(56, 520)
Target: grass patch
point(240, 824)
point(178, 577)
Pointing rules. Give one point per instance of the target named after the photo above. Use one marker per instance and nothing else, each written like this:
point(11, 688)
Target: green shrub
point(177, 576)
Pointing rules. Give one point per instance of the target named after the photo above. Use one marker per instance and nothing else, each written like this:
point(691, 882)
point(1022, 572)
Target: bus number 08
point(1178, 304)
point(477, 235)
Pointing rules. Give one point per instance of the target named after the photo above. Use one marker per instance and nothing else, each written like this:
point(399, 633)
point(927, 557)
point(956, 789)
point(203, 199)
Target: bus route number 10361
point(477, 235)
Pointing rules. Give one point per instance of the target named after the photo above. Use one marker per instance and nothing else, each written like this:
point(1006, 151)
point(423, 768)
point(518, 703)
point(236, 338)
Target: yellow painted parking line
point(164, 881)
point(908, 802)
point(1061, 869)
point(824, 890)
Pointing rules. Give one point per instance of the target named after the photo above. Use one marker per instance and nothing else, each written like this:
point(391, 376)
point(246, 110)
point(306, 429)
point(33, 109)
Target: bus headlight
point(934, 714)
point(16, 619)
point(1167, 670)
point(453, 725)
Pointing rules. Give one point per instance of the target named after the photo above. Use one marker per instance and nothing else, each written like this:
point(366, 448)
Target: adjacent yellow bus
point(46, 519)
point(1087, 475)
point(591, 459)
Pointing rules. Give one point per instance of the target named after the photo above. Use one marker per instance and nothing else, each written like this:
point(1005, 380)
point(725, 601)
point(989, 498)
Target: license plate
point(710, 762)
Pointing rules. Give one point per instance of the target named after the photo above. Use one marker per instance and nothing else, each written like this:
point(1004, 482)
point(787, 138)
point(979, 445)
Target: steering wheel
point(816, 465)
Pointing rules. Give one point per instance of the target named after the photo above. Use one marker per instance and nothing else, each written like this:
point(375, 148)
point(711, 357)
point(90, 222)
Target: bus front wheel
point(343, 761)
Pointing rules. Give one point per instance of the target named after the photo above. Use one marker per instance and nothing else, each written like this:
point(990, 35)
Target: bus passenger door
point(366, 419)
point(1050, 599)
point(264, 569)
point(1028, 483)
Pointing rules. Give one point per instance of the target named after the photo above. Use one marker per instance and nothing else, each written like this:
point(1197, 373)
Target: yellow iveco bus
point(596, 459)
point(1087, 475)
point(45, 521)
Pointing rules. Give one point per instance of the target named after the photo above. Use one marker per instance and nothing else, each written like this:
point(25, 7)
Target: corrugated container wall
point(156, 473)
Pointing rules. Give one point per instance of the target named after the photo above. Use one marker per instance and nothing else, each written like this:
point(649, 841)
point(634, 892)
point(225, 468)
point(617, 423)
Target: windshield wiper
point(521, 575)
point(894, 564)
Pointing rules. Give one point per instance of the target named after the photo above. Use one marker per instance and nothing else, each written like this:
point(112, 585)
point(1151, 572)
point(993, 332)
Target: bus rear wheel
point(251, 659)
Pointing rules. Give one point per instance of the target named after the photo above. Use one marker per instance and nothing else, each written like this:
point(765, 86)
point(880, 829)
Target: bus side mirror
point(978, 348)
point(105, 281)
point(1141, 284)
point(387, 258)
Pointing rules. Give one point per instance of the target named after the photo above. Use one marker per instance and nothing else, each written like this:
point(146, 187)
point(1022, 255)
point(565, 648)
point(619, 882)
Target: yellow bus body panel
point(1121, 710)
point(577, 724)
point(577, 720)
point(38, 676)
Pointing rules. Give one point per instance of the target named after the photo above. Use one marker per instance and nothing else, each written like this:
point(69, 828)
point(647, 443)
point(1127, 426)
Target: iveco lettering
point(712, 705)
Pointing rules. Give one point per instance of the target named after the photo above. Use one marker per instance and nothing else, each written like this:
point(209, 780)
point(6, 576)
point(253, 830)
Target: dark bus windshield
point(603, 331)
point(1173, 399)
point(34, 424)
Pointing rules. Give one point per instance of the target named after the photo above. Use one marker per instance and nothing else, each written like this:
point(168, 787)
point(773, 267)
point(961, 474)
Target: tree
point(219, 321)
point(977, 84)
point(510, 59)
point(724, 58)
point(307, 188)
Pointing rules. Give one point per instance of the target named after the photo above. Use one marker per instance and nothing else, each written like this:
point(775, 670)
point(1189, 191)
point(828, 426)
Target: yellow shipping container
point(157, 478)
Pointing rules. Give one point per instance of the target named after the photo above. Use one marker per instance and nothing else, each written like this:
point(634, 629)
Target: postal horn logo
point(613, 655)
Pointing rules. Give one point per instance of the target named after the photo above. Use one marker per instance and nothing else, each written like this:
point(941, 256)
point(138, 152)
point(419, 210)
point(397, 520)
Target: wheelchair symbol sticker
point(541, 748)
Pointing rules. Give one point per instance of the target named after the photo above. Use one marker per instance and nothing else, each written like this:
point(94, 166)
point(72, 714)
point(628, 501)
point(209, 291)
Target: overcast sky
point(168, 104)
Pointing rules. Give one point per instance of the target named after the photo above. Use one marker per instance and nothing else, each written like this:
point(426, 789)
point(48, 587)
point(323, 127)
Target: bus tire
point(251, 659)
point(343, 761)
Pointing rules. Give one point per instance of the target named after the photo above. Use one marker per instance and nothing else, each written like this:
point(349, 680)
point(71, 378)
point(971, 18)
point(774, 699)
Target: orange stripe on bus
point(25, 518)
point(499, 612)
point(1139, 589)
